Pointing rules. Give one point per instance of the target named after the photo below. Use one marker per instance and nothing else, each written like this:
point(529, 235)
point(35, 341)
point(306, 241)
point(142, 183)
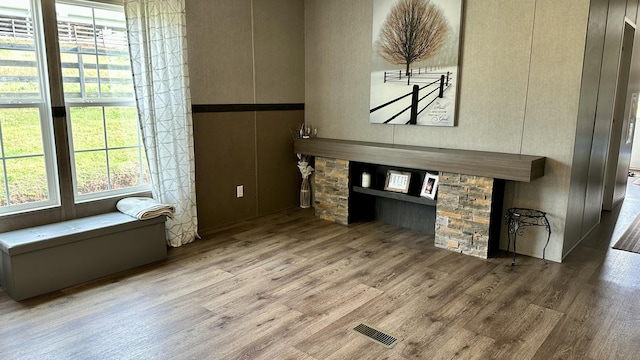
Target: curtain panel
point(158, 46)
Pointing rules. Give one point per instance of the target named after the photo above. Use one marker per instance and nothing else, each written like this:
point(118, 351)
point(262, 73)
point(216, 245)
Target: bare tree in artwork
point(414, 30)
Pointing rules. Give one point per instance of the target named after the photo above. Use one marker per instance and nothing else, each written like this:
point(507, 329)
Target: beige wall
point(536, 82)
point(245, 52)
point(588, 163)
point(220, 51)
point(601, 68)
point(519, 90)
point(551, 115)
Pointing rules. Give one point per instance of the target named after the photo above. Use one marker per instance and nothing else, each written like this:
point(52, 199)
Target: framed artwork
point(414, 68)
point(430, 186)
point(397, 181)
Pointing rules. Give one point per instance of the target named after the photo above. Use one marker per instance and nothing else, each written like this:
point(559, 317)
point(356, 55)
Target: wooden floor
point(289, 286)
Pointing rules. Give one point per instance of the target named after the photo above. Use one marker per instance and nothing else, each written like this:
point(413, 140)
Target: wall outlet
point(239, 191)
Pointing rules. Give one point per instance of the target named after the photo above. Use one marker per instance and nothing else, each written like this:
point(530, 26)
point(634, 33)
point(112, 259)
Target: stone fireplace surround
point(468, 209)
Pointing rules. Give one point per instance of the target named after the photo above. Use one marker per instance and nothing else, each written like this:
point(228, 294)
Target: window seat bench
point(46, 258)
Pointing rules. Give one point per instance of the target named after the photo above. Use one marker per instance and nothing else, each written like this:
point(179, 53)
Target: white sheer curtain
point(157, 40)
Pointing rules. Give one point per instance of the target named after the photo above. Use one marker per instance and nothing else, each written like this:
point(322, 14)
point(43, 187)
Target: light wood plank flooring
point(289, 286)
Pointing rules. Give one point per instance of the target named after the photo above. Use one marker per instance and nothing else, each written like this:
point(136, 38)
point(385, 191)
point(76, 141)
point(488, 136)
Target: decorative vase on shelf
point(305, 193)
point(305, 188)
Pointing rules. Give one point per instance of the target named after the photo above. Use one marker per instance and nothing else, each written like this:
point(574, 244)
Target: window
point(106, 157)
point(27, 171)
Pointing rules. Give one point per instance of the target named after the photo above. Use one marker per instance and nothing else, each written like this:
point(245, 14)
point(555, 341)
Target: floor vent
point(376, 335)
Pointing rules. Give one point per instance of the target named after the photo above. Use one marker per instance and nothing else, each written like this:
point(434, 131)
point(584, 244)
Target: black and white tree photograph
point(414, 68)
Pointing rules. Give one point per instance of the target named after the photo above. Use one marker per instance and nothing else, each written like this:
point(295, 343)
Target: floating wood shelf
point(495, 165)
point(394, 195)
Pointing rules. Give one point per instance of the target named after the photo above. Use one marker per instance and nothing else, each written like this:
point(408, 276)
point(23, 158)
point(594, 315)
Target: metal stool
point(519, 218)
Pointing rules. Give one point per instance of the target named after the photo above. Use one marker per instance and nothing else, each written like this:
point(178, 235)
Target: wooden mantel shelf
point(480, 163)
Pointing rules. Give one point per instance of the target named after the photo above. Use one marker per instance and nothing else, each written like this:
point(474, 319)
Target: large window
point(106, 155)
point(98, 91)
point(27, 170)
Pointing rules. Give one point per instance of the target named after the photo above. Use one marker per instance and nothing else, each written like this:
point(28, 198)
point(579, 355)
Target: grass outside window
point(106, 147)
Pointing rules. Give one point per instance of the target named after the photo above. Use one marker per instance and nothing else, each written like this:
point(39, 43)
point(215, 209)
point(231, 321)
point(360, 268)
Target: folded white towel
point(144, 208)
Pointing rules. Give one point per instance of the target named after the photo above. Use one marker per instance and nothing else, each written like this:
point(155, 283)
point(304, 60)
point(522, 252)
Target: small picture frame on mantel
point(430, 186)
point(397, 181)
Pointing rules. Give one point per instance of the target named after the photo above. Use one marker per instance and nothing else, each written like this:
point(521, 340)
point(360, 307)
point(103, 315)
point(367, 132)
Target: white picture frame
point(429, 186)
point(397, 181)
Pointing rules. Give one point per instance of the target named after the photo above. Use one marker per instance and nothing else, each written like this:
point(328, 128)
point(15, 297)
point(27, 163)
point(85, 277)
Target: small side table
point(517, 219)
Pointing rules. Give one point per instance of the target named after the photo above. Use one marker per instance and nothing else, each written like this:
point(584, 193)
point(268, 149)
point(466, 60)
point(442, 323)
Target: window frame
point(67, 206)
point(43, 105)
point(83, 198)
point(97, 102)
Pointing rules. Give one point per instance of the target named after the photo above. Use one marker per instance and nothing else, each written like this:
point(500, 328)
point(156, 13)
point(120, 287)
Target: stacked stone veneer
point(463, 213)
point(463, 209)
point(331, 190)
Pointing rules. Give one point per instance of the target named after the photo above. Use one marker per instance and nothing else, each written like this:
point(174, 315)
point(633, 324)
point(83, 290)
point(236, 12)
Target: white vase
point(305, 193)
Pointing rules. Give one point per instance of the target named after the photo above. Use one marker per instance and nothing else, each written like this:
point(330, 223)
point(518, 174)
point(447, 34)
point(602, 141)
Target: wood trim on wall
point(206, 108)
